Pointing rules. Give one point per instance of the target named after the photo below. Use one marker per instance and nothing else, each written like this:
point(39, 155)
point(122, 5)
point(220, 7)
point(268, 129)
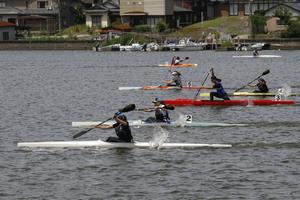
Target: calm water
point(42, 92)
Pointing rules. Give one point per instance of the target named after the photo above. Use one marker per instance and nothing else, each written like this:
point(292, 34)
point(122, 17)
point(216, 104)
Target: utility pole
point(59, 16)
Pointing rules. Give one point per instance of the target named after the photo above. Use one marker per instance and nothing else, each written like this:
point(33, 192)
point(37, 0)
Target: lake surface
point(42, 92)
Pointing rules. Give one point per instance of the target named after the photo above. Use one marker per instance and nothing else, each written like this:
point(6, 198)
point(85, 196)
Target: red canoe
point(253, 102)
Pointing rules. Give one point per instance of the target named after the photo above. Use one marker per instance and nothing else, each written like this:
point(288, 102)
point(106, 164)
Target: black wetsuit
point(263, 88)
point(123, 132)
point(161, 115)
point(176, 82)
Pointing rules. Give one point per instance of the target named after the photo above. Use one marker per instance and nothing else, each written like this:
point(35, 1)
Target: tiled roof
point(40, 11)
point(9, 11)
point(6, 24)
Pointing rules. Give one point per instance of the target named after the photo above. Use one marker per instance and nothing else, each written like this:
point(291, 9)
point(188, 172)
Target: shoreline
point(275, 44)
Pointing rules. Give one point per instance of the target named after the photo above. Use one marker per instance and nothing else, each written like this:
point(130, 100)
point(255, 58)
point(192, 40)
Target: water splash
point(160, 136)
point(181, 120)
point(286, 90)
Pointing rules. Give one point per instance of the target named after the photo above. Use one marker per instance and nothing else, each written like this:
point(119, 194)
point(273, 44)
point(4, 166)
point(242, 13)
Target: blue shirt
point(219, 87)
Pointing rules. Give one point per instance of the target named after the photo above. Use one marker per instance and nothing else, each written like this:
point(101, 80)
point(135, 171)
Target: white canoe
point(102, 144)
point(259, 56)
point(138, 123)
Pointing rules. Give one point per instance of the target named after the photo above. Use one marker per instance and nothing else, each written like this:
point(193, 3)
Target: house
point(102, 14)
point(137, 12)
point(274, 23)
point(224, 8)
point(292, 8)
point(7, 31)
point(36, 15)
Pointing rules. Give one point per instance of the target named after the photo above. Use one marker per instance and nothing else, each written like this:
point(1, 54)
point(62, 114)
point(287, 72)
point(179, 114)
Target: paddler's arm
point(118, 120)
point(212, 72)
point(148, 109)
point(104, 126)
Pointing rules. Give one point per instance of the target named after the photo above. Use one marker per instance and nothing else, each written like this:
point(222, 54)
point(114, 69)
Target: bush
point(78, 28)
point(161, 26)
point(142, 28)
point(293, 30)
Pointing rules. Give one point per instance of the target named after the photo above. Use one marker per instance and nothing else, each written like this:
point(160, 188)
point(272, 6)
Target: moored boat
point(245, 102)
point(102, 144)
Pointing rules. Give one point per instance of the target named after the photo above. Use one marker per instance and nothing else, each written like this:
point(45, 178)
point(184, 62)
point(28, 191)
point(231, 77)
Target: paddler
point(220, 92)
point(175, 80)
point(255, 52)
point(175, 60)
point(261, 86)
point(121, 127)
point(161, 113)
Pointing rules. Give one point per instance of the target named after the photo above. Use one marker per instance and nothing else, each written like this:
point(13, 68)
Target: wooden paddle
point(127, 108)
point(264, 73)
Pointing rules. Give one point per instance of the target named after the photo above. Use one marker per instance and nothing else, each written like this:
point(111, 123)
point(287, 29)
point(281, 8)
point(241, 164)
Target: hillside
point(228, 25)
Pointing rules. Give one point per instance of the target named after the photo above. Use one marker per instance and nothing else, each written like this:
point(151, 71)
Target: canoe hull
point(179, 65)
point(102, 144)
point(259, 56)
point(260, 102)
point(140, 123)
point(149, 87)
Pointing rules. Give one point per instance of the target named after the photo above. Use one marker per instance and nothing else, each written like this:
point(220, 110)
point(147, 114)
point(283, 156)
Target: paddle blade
point(128, 108)
point(266, 72)
point(81, 133)
point(169, 107)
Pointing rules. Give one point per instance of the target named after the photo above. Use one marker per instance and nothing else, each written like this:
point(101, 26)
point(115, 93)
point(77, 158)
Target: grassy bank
point(228, 25)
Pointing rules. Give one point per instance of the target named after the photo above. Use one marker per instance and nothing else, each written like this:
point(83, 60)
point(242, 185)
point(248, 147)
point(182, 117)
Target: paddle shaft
point(201, 86)
point(247, 84)
point(127, 108)
point(85, 131)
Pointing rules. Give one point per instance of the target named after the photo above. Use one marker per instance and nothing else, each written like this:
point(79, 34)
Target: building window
point(12, 20)
point(96, 21)
point(233, 9)
point(2, 4)
point(42, 4)
point(5, 36)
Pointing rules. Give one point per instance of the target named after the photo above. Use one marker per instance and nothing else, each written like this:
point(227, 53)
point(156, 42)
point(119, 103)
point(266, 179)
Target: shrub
point(142, 28)
point(293, 30)
point(161, 26)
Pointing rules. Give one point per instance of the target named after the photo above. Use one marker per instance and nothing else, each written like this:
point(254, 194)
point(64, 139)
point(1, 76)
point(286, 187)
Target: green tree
point(77, 13)
point(161, 26)
point(283, 14)
point(258, 21)
point(293, 30)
